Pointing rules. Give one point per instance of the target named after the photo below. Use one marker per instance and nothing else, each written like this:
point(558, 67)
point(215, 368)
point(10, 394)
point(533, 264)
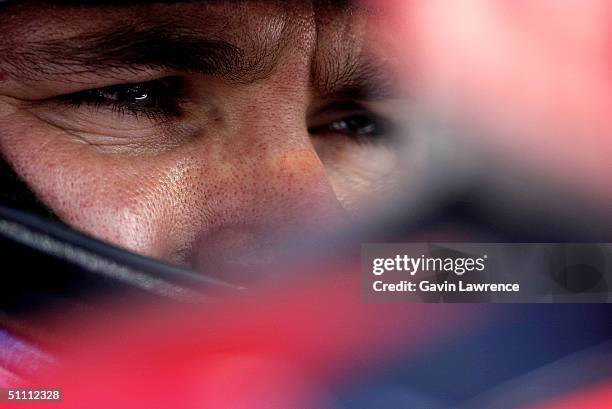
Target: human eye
point(157, 100)
point(146, 115)
point(358, 145)
point(358, 124)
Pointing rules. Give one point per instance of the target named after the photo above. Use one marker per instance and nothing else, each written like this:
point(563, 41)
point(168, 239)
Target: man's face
point(198, 132)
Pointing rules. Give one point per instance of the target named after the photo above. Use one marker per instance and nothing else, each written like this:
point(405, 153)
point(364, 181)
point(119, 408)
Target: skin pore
point(197, 133)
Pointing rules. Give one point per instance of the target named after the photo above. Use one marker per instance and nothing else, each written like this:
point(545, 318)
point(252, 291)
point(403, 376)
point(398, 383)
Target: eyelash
point(158, 100)
point(359, 124)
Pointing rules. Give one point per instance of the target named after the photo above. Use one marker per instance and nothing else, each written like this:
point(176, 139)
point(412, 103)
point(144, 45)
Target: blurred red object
point(534, 75)
point(278, 348)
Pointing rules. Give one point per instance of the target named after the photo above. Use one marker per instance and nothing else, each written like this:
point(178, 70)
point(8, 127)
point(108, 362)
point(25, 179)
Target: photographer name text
point(434, 265)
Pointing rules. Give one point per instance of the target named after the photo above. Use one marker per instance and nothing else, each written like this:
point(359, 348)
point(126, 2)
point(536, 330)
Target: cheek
point(163, 205)
point(126, 200)
point(364, 177)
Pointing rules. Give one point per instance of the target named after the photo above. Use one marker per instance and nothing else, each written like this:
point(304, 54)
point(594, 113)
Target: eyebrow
point(160, 47)
point(358, 77)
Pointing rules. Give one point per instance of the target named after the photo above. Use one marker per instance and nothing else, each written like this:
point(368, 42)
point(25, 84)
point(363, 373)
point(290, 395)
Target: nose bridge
point(298, 184)
point(273, 182)
point(283, 176)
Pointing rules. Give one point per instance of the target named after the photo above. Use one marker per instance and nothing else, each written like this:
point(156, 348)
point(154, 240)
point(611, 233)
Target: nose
point(268, 210)
point(272, 192)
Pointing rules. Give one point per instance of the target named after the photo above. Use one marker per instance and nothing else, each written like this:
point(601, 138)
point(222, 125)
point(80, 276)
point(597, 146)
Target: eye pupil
point(125, 94)
point(157, 99)
point(136, 93)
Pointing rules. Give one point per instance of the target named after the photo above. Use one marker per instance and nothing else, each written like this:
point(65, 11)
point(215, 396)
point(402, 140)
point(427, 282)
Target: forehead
point(265, 19)
point(32, 21)
point(329, 34)
point(247, 24)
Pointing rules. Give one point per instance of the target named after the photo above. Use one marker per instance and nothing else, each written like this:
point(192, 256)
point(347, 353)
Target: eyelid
point(337, 110)
point(322, 123)
point(340, 105)
point(167, 92)
point(87, 80)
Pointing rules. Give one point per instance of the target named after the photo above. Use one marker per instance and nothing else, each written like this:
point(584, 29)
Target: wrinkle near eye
point(158, 100)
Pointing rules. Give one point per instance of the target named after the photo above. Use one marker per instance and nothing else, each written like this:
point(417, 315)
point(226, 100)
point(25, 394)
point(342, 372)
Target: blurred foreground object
point(532, 76)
